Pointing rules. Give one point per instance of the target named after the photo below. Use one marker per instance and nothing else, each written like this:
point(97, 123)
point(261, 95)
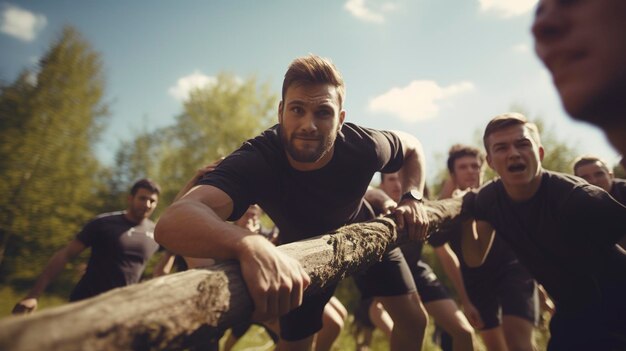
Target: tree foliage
point(215, 121)
point(49, 122)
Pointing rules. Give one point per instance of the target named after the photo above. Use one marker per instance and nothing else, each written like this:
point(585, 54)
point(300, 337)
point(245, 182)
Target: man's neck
point(520, 193)
point(132, 218)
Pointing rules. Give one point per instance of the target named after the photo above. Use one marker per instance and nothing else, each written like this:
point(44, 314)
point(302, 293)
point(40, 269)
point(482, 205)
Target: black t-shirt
point(119, 252)
point(306, 204)
point(618, 190)
point(565, 235)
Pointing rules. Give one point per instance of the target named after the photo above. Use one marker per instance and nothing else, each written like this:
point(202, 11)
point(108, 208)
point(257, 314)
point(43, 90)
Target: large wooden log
point(186, 309)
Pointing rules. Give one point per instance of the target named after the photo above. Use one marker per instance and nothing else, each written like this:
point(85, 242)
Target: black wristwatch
point(413, 195)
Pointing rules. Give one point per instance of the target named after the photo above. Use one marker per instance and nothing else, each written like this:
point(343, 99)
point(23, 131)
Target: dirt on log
point(185, 310)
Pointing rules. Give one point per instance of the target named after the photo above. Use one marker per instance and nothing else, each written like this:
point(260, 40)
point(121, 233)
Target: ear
point(280, 112)
point(488, 158)
point(342, 117)
point(541, 152)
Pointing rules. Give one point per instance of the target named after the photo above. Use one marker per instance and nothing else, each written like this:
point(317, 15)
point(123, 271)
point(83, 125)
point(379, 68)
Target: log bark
point(185, 310)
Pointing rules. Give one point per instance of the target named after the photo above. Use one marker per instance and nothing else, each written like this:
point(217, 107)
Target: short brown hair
point(507, 120)
point(589, 159)
point(147, 184)
point(313, 69)
point(458, 151)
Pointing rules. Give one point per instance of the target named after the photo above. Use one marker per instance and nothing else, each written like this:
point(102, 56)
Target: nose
point(308, 123)
point(549, 23)
point(514, 152)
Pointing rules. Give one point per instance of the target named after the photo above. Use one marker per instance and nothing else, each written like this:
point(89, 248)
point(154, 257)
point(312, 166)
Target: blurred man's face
point(583, 45)
point(467, 172)
point(392, 186)
point(596, 174)
point(142, 204)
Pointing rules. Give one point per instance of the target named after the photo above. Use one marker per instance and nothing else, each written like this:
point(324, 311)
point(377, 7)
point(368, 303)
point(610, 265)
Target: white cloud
point(417, 101)
point(21, 24)
point(359, 10)
point(186, 84)
point(507, 8)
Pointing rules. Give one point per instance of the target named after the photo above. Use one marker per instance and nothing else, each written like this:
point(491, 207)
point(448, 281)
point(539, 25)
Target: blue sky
point(438, 69)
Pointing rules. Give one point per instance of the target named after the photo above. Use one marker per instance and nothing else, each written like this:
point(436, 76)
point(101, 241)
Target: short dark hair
point(147, 184)
point(589, 159)
point(458, 151)
point(507, 120)
point(382, 177)
point(313, 69)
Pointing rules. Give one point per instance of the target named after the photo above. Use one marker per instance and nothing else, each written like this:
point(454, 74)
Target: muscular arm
point(54, 266)
point(410, 213)
point(476, 239)
point(451, 266)
point(194, 226)
point(413, 171)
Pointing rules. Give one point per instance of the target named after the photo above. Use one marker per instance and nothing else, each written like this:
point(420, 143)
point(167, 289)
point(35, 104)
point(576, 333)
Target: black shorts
point(429, 287)
point(513, 292)
point(389, 277)
point(305, 320)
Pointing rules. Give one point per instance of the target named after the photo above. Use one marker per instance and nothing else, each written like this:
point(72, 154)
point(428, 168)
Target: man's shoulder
point(619, 184)
point(356, 136)
point(488, 191)
point(561, 184)
point(359, 132)
point(109, 216)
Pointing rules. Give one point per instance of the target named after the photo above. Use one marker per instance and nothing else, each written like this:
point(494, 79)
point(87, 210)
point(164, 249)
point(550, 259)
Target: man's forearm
point(54, 266)
point(413, 169)
point(190, 228)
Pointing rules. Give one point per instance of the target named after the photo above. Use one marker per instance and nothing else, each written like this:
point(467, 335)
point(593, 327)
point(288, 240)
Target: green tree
point(49, 123)
point(216, 119)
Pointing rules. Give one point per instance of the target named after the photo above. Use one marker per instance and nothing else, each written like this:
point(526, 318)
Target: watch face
point(417, 195)
point(413, 194)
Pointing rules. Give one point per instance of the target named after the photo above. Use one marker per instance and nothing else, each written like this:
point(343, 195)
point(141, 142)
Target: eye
point(297, 110)
point(324, 113)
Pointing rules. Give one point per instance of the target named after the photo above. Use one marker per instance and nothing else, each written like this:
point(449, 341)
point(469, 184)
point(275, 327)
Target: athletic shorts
point(513, 292)
point(429, 287)
point(305, 320)
point(389, 277)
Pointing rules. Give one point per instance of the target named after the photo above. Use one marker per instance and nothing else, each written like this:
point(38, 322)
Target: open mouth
point(518, 167)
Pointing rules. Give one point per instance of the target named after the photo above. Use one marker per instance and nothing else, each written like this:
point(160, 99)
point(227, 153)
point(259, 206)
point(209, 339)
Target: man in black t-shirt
point(309, 174)
point(561, 228)
point(503, 302)
point(121, 244)
point(595, 171)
